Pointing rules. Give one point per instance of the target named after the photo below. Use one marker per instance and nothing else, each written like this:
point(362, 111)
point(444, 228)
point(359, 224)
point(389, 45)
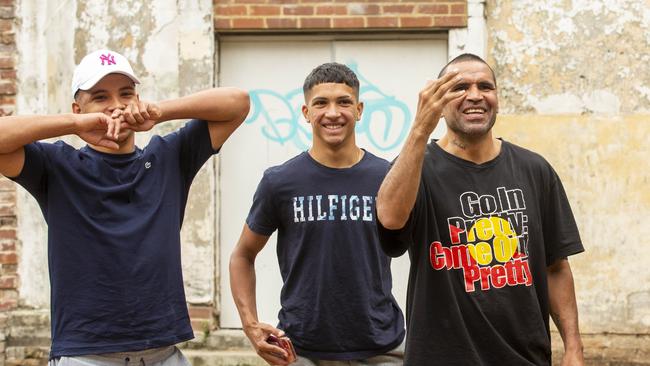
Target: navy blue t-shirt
point(114, 240)
point(336, 299)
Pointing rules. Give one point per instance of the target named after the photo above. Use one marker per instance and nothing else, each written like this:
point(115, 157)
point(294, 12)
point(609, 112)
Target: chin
point(123, 136)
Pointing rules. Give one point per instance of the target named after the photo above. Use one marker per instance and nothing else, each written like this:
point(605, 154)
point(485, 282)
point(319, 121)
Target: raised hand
point(433, 99)
point(98, 129)
point(258, 333)
point(138, 115)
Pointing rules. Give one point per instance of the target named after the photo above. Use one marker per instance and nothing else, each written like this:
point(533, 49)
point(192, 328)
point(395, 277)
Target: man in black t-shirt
point(488, 228)
point(114, 210)
point(337, 305)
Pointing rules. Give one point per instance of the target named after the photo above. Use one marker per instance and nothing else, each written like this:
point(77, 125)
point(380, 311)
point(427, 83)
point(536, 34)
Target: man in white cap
point(114, 211)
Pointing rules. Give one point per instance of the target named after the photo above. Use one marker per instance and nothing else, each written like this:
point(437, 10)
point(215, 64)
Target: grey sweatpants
point(164, 356)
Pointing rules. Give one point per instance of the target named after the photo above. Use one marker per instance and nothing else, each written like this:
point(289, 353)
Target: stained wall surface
point(574, 86)
point(170, 46)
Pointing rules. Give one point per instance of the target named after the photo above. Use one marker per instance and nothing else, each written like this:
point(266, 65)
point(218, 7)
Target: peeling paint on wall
point(564, 56)
point(586, 63)
point(170, 46)
point(603, 164)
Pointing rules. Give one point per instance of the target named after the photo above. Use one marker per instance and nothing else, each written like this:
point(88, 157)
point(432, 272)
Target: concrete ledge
point(223, 358)
point(222, 339)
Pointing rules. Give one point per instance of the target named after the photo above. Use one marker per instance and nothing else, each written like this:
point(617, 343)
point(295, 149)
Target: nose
point(115, 103)
point(473, 93)
point(332, 111)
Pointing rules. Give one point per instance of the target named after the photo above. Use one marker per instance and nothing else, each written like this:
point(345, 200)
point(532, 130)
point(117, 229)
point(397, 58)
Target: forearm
point(213, 105)
point(18, 131)
point(398, 191)
point(242, 285)
point(563, 305)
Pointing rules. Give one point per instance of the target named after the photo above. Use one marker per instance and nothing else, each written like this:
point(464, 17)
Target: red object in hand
point(285, 344)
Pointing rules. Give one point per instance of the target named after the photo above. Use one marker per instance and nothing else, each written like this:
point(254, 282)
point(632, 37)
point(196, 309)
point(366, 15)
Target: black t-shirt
point(336, 298)
point(480, 238)
point(114, 240)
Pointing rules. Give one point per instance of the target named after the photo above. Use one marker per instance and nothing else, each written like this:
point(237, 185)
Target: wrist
point(573, 346)
point(421, 131)
point(249, 325)
point(73, 125)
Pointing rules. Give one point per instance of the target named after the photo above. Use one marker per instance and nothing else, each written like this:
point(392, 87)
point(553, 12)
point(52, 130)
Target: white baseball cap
point(94, 66)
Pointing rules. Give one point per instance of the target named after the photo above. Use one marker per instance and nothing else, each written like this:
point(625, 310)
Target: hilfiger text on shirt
point(333, 207)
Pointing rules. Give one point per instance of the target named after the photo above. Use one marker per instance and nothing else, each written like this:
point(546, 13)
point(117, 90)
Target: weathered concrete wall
point(571, 56)
point(603, 164)
point(586, 64)
point(170, 45)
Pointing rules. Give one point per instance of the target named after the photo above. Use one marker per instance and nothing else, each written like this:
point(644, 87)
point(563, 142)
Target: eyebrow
point(106, 91)
point(318, 98)
point(479, 82)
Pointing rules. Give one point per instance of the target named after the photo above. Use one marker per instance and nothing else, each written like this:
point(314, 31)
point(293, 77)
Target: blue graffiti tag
point(385, 120)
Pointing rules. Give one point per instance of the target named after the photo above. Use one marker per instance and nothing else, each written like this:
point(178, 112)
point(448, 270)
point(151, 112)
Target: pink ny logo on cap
point(110, 59)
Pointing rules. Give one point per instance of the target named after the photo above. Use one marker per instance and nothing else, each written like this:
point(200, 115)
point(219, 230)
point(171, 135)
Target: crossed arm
point(242, 285)
point(223, 108)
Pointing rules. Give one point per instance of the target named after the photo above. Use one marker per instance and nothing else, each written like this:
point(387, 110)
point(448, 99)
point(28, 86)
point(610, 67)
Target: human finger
point(448, 85)
point(127, 126)
point(117, 113)
point(110, 126)
point(128, 114)
point(273, 353)
point(269, 329)
point(437, 83)
point(137, 112)
point(144, 110)
point(116, 129)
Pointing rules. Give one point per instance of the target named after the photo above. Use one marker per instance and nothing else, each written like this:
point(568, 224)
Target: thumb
point(154, 111)
point(269, 329)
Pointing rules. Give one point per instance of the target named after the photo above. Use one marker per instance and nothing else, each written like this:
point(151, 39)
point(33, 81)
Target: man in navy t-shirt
point(114, 210)
point(337, 305)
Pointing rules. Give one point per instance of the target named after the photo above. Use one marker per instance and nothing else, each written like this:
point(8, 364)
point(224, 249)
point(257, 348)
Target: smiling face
point(332, 109)
point(474, 114)
point(114, 91)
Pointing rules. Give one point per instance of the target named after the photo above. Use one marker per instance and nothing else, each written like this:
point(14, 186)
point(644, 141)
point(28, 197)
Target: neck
point(478, 150)
point(343, 157)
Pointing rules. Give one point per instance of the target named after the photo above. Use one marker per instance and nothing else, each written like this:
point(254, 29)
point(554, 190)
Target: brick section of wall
point(8, 240)
point(338, 15)
point(8, 254)
point(7, 57)
point(203, 317)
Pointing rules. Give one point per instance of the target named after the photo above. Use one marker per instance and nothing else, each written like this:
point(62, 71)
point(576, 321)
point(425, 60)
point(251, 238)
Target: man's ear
point(305, 112)
point(359, 110)
point(76, 108)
